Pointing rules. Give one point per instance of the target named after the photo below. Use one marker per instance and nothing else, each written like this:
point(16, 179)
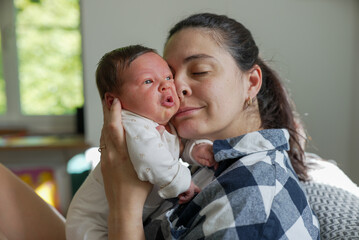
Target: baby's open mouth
point(168, 101)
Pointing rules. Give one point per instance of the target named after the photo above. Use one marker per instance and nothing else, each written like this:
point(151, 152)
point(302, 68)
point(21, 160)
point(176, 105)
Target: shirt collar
point(263, 140)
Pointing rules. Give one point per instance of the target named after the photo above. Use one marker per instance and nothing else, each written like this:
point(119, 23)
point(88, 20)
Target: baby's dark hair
point(111, 65)
point(275, 107)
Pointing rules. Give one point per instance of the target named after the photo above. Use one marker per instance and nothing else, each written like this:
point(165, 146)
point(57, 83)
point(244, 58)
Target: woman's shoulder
point(265, 166)
point(259, 195)
point(259, 168)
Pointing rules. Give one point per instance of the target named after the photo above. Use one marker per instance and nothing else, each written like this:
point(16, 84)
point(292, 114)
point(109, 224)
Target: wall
point(354, 160)
point(312, 44)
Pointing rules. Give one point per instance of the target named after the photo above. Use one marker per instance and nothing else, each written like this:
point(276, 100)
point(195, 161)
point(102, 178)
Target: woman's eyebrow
point(196, 56)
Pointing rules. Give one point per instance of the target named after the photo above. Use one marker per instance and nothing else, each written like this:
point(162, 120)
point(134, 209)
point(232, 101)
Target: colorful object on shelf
point(42, 180)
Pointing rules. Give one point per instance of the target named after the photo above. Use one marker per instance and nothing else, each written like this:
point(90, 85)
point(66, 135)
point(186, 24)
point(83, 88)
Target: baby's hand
point(189, 194)
point(203, 154)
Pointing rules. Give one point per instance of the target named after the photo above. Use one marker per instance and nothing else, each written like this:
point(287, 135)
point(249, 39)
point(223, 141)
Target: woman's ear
point(109, 97)
point(255, 81)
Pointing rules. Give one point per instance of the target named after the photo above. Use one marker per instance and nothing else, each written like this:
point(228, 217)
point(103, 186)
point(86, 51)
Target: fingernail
point(115, 101)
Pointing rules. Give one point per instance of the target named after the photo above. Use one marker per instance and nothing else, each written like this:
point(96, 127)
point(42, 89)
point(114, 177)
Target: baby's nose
point(164, 86)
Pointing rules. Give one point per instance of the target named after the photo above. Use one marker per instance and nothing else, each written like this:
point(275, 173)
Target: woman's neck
point(250, 122)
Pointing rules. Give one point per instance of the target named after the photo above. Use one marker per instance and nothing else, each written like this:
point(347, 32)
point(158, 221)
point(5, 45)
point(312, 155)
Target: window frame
point(13, 117)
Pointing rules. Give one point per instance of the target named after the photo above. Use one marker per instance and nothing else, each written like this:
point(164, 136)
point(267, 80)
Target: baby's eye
point(168, 78)
point(148, 81)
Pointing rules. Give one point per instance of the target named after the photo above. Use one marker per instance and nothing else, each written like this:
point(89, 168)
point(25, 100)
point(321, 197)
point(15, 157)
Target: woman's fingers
point(112, 134)
point(105, 123)
point(105, 110)
point(115, 110)
point(115, 123)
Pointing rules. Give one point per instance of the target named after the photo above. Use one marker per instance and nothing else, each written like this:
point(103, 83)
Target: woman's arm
point(23, 214)
point(125, 193)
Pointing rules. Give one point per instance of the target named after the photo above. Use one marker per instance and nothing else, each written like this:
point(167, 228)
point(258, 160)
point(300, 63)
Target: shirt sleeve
point(153, 161)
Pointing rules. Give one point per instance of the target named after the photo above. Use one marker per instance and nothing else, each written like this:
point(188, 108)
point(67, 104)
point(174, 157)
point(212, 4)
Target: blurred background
point(50, 111)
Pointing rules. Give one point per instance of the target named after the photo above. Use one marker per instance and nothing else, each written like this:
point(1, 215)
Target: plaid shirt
point(255, 194)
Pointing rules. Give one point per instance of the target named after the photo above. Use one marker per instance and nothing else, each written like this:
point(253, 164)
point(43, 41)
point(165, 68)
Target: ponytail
point(276, 111)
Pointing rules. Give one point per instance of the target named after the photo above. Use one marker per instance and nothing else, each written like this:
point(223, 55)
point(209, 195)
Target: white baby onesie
point(155, 156)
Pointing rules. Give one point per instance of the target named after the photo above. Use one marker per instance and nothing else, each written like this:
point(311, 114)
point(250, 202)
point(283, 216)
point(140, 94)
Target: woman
point(230, 96)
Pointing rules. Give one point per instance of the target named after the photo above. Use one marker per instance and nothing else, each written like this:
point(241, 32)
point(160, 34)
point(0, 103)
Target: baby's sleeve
point(188, 147)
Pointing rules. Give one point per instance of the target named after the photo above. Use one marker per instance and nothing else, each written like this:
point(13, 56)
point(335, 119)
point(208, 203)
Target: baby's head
point(141, 80)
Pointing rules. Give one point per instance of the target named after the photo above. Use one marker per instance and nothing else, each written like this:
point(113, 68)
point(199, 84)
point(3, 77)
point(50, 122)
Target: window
point(42, 64)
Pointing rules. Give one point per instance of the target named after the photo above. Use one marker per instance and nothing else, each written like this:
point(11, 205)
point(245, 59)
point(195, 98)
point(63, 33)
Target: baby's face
point(148, 88)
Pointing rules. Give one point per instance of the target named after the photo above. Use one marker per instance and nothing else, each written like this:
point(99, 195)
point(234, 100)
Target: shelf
point(10, 143)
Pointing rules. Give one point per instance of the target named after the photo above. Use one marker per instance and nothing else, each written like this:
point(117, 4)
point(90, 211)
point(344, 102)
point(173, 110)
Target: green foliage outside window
point(2, 86)
point(49, 53)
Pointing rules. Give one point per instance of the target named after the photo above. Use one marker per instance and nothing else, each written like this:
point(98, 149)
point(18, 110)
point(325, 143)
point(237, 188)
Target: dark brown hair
point(275, 107)
point(110, 66)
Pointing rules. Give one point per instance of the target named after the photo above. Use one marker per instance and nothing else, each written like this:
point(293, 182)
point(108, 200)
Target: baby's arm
point(193, 188)
point(199, 152)
point(153, 161)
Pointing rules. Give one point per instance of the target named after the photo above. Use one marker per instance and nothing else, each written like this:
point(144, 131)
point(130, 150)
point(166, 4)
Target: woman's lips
point(187, 111)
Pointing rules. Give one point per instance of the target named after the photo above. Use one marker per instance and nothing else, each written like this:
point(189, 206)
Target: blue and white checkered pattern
point(255, 195)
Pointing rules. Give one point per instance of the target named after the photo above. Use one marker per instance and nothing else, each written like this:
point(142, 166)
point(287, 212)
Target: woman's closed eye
point(200, 73)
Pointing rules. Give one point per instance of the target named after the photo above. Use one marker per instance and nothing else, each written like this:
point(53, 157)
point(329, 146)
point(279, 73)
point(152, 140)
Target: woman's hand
point(125, 193)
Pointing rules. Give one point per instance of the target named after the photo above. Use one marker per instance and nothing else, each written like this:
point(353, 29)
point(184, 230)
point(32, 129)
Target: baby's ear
point(109, 97)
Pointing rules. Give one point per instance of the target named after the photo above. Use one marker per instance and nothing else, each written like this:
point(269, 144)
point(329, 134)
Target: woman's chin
point(189, 132)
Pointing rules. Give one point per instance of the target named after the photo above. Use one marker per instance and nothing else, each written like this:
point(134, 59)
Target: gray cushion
point(337, 210)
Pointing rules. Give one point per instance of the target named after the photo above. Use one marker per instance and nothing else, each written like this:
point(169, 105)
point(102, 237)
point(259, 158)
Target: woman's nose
point(183, 89)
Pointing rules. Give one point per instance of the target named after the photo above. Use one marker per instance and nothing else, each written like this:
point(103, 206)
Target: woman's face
point(211, 87)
